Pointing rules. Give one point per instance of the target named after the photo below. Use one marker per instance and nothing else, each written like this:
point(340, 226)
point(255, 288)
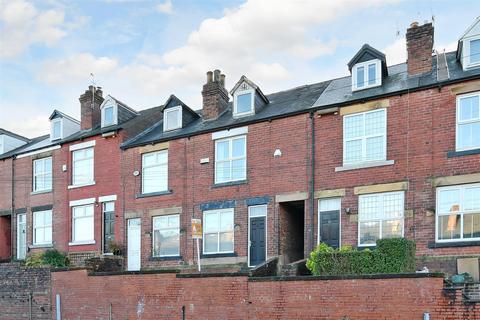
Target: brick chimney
point(90, 103)
point(419, 48)
point(215, 96)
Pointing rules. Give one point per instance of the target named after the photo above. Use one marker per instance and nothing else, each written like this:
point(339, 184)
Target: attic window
point(172, 118)
point(366, 75)
point(472, 52)
point(56, 129)
point(243, 103)
point(109, 114)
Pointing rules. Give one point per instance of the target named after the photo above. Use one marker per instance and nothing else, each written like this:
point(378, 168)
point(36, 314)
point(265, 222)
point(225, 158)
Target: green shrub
point(34, 260)
point(55, 258)
point(391, 256)
point(52, 257)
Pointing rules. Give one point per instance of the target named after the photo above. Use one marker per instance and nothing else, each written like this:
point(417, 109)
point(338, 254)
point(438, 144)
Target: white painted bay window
point(166, 236)
point(365, 137)
point(155, 171)
point(218, 231)
point(380, 215)
point(458, 213)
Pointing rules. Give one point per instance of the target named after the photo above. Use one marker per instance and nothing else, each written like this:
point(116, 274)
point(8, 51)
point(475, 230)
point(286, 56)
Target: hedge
point(396, 255)
point(51, 257)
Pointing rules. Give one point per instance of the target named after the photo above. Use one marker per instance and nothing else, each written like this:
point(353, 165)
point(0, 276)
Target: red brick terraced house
point(389, 151)
point(66, 187)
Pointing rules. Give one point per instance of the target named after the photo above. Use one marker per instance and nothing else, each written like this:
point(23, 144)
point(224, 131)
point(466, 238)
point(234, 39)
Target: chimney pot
point(209, 76)
point(414, 24)
point(216, 75)
point(222, 80)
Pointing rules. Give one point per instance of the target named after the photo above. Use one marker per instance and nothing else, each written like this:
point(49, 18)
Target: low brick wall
point(169, 295)
point(24, 292)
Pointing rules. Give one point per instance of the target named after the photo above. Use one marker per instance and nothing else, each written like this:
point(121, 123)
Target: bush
point(390, 256)
point(52, 258)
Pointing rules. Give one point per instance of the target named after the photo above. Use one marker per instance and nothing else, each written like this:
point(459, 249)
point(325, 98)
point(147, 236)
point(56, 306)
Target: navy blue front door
point(330, 228)
point(257, 240)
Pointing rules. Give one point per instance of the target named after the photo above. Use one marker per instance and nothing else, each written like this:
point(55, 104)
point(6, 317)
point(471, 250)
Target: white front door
point(134, 244)
point(21, 236)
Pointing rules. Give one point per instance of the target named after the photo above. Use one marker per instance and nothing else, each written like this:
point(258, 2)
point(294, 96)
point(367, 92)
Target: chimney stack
point(419, 48)
point(90, 103)
point(215, 96)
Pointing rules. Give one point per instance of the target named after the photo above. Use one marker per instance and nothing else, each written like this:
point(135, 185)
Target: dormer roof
point(472, 30)
point(13, 135)
point(58, 114)
point(251, 84)
point(367, 53)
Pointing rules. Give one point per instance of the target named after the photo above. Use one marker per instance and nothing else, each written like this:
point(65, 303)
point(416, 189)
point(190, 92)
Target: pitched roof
point(14, 135)
point(63, 115)
point(251, 84)
point(366, 50)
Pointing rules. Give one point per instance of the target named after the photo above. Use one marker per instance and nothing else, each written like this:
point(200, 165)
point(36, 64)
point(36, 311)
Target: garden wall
point(170, 296)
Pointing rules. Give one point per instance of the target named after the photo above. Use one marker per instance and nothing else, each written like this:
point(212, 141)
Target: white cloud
point(23, 25)
point(165, 7)
point(396, 52)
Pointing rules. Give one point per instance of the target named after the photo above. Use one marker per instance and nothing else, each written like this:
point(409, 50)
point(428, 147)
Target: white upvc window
point(380, 215)
point(471, 52)
point(42, 174)
point(109, 114)
point(56, 129)
point(365, 137)
point(468, 122)
point(244, 102)
point(172, 118)
point(82, 224)
point(366, 75)
point(155, 171)
point(82, 167)
point(231, 159)
point(42, 227)
point(458, 213)
point(218, 231)
point(166, 236)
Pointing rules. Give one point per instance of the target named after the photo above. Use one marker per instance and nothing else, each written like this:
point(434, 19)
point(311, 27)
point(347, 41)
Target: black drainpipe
point(12, 219)
point(312, 182)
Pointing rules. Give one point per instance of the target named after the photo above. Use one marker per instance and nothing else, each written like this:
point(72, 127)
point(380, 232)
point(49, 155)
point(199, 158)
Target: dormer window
point(472, 52)
point(247, 98)
point(56, 129)
point(172, 118)
point(366, 75)
point(243, 104)
point(109, 113)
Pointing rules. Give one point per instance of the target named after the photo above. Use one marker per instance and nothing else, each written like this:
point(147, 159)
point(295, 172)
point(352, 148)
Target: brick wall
point(24, 292)
point(154, 296)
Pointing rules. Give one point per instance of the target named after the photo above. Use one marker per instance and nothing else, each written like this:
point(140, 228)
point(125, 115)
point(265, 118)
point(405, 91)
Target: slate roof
point(31, 145)
point(11, 134)
point(281, 103)
point(322, 95)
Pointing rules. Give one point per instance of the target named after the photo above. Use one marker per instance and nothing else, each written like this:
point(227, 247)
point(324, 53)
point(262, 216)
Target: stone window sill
point(74, 186)
point(363, 165)
point(453, 154)
point(218, 255)
point(168, 258)
point(41, 192)
point(82, 243)
point(153, 194)
point(230, 183)
point(453, 244)
point(38, 246)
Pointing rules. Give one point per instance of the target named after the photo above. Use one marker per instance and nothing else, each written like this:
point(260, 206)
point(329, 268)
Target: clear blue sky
point(142, 51)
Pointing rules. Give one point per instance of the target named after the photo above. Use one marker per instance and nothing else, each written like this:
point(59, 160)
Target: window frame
point(44, 174)
point(112, 105)
point(93, 166)
point(152, 166)
point(45, 226)
point(364, 138)
point(231, 158)
point(365, 65)
point(337, 201)
point(178, 125)
point(250, 91)
point(467, 52)
point(457, 119)
point(92, 217)
point(219, 231)
point(461, 212)
point(381, 220)
point(52, 130)
point(165, 229)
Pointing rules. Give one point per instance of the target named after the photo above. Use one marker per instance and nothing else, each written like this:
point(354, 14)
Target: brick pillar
point(419, 48)
point(90, 103)
point(215, 96)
